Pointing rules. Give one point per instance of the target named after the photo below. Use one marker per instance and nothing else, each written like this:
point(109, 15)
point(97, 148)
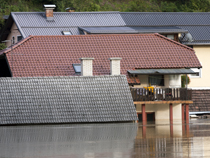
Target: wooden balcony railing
point(142, 94)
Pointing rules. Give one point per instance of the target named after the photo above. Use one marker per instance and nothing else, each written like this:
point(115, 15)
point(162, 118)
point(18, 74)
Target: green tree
point(2, 46)
point(183, 80)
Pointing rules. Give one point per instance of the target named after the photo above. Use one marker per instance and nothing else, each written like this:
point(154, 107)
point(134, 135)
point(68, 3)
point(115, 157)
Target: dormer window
point(77, 68)
point(67, 33)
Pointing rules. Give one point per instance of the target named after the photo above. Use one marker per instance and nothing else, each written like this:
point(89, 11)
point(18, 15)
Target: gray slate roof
point(130, 30)
point(35, 23)
point(65, 100)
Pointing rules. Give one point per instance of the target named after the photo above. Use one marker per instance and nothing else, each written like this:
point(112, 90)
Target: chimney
point(70, 9)
point(115, 66)
point(49, 11)
point(86, 66)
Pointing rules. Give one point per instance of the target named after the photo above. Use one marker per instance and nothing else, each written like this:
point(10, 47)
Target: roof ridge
point(121, 12)
point(98, 35)
point(98, 12)
point(157, 34)
point(166, 12)
point(8, 49)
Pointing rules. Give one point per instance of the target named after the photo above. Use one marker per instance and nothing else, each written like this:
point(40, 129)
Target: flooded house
point(191, 29)
point(152, 64)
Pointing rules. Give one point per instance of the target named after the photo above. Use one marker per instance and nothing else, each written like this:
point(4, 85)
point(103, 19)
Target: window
point(19, 38)
point(169, 36)
point(77, 68)
point(156, 80)
point(67, 33)
point(13, 40)
point(198, 73)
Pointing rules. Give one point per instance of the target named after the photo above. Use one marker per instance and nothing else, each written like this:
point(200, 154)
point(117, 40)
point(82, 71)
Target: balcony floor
point(165, 102)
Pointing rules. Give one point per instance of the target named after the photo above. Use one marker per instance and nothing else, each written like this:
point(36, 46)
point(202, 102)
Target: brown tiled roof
point(54, 55)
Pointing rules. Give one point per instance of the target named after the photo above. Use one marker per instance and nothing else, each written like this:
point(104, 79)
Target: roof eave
point(197, 44)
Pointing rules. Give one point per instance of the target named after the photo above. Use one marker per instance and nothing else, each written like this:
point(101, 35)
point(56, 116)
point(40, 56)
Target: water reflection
point(88, 141)
point(188, 139)
point(124, 140)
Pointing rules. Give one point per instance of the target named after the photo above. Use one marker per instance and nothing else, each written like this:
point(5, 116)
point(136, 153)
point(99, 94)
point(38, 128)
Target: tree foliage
point(105, 5)
point(183, 80)
point(2, 46)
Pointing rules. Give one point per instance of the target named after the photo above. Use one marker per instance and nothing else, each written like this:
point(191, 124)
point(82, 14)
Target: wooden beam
point(144, 119)
point(187, 112)
point(171, 113)
point(183, 118)
point(165, 102)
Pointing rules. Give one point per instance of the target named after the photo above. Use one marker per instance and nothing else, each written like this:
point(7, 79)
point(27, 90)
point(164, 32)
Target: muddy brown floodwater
point(110, 140)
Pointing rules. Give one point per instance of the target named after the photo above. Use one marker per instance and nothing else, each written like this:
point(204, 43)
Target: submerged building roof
point(55, 55)
point(35, 23)
point(65, 100)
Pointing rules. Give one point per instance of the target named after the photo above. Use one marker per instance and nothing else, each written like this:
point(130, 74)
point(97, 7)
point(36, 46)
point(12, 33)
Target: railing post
point(178, 94)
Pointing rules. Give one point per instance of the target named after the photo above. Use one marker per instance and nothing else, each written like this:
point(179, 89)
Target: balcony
point(161, 95)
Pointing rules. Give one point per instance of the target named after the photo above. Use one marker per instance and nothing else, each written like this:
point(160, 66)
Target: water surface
point(110, 140)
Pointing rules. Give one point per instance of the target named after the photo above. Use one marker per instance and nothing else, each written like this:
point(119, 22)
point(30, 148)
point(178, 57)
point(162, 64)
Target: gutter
point(197, 44)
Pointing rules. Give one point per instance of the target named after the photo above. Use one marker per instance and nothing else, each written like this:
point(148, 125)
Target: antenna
point(188, 38)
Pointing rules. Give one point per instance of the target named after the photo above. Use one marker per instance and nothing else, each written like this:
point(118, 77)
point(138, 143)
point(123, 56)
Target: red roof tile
point(54, 55)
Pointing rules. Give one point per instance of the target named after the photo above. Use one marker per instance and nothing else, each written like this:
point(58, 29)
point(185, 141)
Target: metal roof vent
point(49, 11)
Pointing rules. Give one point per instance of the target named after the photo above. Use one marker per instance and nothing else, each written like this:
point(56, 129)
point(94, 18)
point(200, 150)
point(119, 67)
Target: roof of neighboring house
point(198, 24)
point(65, 100)
point(124, 30)
point(35, 23)
point(54, 55)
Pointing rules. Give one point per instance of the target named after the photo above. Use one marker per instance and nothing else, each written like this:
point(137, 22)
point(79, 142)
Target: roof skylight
point(77, 68)
point(67, 33)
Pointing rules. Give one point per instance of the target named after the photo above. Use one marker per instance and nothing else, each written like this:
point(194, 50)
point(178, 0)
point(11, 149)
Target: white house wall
point(162, 111)
point(172, 81)
point(203, 54)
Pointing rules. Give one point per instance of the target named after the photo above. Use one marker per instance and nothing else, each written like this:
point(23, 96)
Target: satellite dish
point(188, 37)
